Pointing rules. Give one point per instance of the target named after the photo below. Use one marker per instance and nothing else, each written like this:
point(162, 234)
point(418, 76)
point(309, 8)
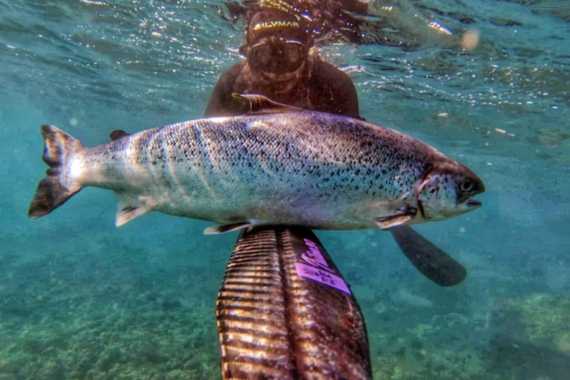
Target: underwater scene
point(486, 82)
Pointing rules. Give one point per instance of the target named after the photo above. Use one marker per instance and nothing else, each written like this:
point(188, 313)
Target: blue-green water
point(82, 299)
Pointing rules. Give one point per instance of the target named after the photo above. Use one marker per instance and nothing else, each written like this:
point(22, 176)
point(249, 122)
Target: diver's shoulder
point(332, 90)
point(324, 71)
point(226, 83)
point(324, 67)
point(234, 70)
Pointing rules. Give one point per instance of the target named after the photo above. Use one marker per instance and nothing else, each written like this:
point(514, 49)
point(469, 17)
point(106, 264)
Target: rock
point(531, 336)
point(406, 298)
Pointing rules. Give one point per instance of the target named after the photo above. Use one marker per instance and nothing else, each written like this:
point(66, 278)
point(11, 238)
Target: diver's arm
point(221, 102)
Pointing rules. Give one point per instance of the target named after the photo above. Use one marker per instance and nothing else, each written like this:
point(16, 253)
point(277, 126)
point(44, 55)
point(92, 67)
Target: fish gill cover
point(485, 82)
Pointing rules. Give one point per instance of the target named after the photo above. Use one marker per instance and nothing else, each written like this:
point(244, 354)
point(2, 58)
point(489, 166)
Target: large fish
point(278, 165)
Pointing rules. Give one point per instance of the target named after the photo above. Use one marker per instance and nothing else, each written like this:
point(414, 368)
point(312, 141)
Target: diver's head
point(277, 45)
point(447, 189)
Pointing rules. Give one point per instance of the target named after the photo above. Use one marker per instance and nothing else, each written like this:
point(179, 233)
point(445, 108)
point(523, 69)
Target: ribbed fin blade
point(285, 312)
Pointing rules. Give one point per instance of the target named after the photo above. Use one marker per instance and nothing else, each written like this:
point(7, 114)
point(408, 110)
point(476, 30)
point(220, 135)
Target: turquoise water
point(82, 299)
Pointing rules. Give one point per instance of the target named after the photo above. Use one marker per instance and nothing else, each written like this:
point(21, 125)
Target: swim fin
point(285, 312)
point(430, 260)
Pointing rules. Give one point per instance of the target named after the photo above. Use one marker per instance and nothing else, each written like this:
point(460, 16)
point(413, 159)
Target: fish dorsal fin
point(129, 208)
point(117, 134)
point(226, 228)
point(402, 216)
point(259, 104)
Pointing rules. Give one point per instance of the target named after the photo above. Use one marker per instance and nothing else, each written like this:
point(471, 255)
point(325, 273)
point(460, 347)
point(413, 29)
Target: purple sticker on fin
point(319, 275)
point(319, 270)
point(314, 257)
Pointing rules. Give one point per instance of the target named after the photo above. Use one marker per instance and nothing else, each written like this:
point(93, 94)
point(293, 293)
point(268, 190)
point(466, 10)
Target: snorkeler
point(282, 65)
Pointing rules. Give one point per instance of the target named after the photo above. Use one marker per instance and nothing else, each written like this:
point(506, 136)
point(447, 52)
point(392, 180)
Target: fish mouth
point(468, 202)
point(472, 203)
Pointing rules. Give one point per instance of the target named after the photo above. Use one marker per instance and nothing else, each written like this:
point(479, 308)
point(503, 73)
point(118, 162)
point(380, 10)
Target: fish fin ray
point(259, 104)
point(402, 216)
point(57, 187)
point(128, 208)
point(226, 228)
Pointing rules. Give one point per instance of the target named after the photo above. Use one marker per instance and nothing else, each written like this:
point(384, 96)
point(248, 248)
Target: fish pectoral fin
point(259, 104)
point(226, 228)
point(117, 134)
point(129, 208)
point(402, 216)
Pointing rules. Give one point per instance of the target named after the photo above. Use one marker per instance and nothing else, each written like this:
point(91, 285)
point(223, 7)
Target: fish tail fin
point(57, 187)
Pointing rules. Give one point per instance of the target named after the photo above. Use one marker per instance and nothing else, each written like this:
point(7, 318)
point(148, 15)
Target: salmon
point(276, 165)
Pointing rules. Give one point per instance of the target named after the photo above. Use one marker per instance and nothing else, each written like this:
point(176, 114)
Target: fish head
point(447, 189)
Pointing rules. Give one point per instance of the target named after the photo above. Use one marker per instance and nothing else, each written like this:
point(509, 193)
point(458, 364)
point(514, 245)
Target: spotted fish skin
point(305, 168)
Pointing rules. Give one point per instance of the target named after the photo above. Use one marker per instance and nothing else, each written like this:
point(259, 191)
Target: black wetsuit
point(327, 89)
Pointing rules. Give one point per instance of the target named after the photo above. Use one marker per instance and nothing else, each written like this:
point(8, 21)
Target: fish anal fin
point(403, 216)
point(127, 214)
point(259, 104)
point(226, 228)
point(130, 207)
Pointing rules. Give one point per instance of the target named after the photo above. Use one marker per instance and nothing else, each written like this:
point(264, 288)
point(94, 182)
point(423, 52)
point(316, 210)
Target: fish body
point(306, 168)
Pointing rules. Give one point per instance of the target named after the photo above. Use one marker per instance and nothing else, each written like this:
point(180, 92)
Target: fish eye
point(467, 185)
